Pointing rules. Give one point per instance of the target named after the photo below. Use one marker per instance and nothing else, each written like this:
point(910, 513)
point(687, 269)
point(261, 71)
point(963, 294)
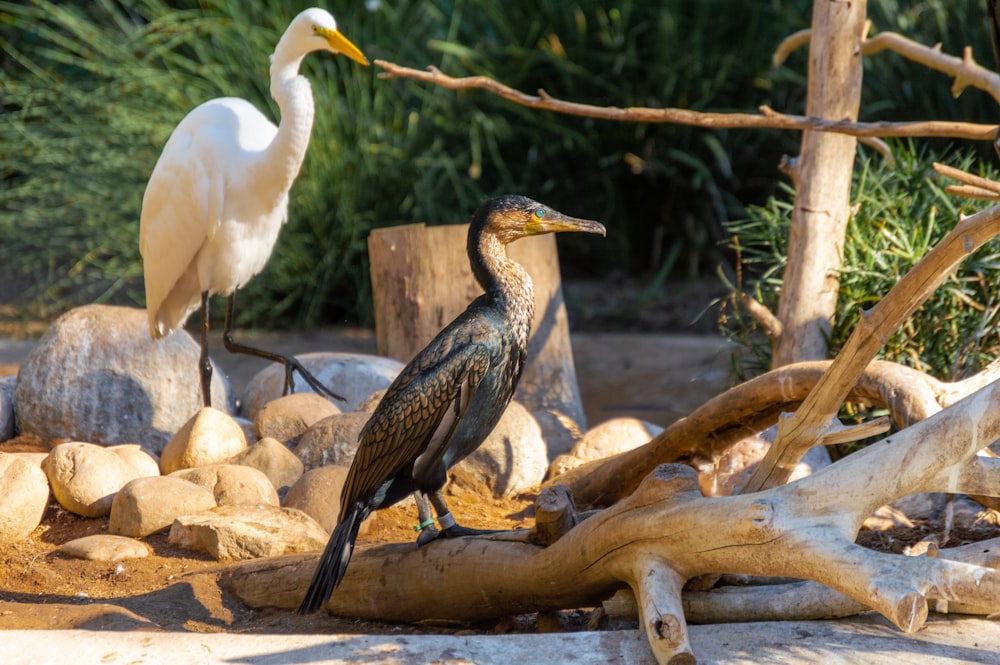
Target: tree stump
point(421, 280)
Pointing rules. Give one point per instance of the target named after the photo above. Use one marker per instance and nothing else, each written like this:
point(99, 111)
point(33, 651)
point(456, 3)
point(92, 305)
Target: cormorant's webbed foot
point(449, 529)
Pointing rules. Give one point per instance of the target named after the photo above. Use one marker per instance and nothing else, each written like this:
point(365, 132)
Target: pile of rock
point(141, 451)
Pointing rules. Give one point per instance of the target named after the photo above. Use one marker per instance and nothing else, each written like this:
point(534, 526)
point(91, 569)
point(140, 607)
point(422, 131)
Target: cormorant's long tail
point(333, 563)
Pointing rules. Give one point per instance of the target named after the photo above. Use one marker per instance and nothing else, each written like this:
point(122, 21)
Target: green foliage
point(90, 92)
point(901, 212)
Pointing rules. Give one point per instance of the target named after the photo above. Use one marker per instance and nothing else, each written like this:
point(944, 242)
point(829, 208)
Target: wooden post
point(822, 185)
point(421, 280)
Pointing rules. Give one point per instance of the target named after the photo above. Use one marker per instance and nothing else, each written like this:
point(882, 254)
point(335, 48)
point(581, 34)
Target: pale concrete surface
point(861, 641)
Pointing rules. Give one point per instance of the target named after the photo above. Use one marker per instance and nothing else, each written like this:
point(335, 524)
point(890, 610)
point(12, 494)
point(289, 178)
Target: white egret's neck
point(293, 94)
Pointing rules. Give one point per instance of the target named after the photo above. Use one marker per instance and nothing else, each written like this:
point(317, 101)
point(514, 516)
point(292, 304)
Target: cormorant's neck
point(504, 280)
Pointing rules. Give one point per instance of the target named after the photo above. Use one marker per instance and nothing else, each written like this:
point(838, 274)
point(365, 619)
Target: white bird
point(219, 194)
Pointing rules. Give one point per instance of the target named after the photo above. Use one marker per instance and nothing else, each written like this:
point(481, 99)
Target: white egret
point(219, 195)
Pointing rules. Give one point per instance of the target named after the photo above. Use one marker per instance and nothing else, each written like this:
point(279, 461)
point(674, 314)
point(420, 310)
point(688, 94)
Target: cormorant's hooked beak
point(556, 222)
point(341, 44)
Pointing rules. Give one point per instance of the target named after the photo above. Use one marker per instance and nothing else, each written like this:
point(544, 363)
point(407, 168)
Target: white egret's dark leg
point(204, 363)
point(290, 363)
point(448, 527)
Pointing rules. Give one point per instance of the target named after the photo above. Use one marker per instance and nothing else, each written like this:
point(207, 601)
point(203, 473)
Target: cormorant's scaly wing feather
point(442, 377)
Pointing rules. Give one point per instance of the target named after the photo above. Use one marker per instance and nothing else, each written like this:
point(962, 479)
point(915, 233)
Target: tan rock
point(331, 441)
point(514, 456)
point(103, 547)
point(23, 499)
point(147, 505)
point(276, 461)
point(286, 418)
point(611, 437)
point(232, 484)
point(246, 532)
point(209, 437)
point(317, 493)
point(85, 477)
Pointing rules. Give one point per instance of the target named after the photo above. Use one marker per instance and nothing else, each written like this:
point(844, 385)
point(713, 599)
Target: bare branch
point(965, 70)
point(768, 119)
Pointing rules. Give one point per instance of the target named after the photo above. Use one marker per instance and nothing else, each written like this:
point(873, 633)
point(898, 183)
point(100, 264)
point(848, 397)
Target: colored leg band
point(423, 525)
point(446, 521)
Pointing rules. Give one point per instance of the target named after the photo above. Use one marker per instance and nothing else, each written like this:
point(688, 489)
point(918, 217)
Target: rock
point(734, 468)
point(286, 418)
point(8, 384)
point(245, 532)
point(333, 440)
point(85, 476)
point(274, 460)
point(23, 499)
point(371, 402)
point(232, 484)
point(514, 456)
point(147, 505)
point(611, 437)
point(317, 494)
point(209, 437)
point(96, 375)
point(105, 548)
point(353, 376)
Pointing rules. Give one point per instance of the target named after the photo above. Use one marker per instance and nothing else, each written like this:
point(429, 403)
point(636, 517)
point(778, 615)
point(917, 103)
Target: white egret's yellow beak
point(341, 44)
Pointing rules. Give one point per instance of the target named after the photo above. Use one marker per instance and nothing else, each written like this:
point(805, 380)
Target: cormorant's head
point(513, 216)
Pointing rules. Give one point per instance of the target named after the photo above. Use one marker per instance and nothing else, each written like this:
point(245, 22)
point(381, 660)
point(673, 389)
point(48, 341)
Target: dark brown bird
point(448, 399)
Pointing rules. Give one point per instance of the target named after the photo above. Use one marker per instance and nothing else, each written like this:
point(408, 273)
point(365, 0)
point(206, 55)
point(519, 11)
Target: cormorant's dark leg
point(290, 363)
point(449, 528)
point(204, 364)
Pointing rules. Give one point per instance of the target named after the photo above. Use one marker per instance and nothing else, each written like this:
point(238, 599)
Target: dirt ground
point(176, 589)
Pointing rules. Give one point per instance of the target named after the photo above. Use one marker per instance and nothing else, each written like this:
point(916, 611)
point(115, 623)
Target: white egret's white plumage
point(219, 192)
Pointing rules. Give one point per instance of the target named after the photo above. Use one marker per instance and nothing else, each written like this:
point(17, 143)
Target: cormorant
point(448, 399)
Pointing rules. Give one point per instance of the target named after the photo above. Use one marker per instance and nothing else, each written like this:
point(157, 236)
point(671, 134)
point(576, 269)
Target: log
point(421, 280)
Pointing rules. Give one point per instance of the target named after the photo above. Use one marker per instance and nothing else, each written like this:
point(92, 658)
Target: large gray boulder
point(353, 376)
point(8, 384)
point(96, 375)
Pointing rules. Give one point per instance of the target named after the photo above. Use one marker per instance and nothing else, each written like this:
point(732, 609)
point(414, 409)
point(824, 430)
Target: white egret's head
point(315, 29)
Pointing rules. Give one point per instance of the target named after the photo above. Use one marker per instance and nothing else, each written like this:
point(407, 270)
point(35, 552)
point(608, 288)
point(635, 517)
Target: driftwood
point(666, 532)
point(816, 418)
point(421, 280)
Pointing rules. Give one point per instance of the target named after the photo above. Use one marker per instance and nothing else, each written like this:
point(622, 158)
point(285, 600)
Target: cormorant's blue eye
point(539, 213)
